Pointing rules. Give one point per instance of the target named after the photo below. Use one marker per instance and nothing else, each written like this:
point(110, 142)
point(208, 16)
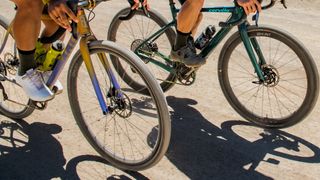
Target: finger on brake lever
point(145, 10)
point(256, 18)
point(74, 7)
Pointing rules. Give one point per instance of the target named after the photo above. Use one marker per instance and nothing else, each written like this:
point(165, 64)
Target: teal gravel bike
point(116, 119)
point(265, 73)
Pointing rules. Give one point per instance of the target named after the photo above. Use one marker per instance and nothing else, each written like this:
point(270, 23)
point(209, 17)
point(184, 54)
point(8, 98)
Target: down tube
point(87, 60)
point(61, 63)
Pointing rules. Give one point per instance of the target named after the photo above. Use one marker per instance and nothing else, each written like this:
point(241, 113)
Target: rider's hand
point(60, 13)
point(250, 6)
point(137, 2)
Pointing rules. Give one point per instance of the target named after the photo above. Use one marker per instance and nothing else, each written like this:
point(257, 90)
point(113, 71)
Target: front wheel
point(292, 86)
point(135, 133)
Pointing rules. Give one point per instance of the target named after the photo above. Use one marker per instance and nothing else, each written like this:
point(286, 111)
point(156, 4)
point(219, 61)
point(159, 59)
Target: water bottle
point(54, 53)
point(40, 53)
point(204, 38)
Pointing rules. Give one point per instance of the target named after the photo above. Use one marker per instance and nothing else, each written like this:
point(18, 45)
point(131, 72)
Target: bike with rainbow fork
point(117, 120)
point(266, 74)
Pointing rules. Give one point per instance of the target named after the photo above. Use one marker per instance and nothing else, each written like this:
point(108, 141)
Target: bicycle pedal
point(257, 82)
point(56, 90)
point(39, 105)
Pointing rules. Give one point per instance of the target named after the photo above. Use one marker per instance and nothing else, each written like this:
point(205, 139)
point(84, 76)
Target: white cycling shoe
point(34, 86)
point(58, 88)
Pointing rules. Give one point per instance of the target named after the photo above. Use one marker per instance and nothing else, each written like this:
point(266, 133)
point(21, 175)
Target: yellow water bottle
point(40, 54)
point(54, 53)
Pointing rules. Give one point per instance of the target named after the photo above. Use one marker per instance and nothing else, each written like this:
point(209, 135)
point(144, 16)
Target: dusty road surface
point(209, 139)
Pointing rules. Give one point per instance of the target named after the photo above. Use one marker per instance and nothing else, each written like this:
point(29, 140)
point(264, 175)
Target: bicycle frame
point(236, 15)
point(86, 35)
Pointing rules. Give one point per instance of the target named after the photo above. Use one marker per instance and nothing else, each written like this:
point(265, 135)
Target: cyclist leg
point(188, 20)
point(26, 28)
point(186, 25)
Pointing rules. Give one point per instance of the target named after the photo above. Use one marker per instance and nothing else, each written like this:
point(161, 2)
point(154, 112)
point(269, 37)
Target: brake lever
point(144, 9)
point(256, 18)
point(73, 4)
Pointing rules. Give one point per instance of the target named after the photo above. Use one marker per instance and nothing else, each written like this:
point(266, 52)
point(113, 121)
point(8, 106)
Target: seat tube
point(247, 43)
point(87, 60)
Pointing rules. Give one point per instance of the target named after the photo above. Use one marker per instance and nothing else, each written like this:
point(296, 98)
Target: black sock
point(27, 61)
point(181, 40)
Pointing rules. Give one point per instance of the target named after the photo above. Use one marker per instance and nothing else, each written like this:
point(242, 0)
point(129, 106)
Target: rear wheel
point(292, 84)
point(132, 33)
point(14, 103)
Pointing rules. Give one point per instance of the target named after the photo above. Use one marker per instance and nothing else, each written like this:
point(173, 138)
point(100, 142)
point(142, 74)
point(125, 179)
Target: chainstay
point(176, 82)
point(28, 106)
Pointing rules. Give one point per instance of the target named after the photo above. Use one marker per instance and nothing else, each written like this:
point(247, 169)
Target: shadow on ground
point(202, 150)
point(30, 150)
point(198, 149)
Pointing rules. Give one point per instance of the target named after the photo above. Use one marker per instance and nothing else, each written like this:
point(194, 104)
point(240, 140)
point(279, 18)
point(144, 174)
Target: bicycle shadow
point(98, 165)
point(30, 150)
point(202, 150)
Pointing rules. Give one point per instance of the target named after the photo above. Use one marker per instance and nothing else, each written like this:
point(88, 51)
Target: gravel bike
point(115, 118)
point(266, 74)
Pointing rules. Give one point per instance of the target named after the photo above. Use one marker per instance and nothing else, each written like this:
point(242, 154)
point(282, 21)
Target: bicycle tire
point(164, 126)
point(310, 71)
point(7, 108)
point(170, 79)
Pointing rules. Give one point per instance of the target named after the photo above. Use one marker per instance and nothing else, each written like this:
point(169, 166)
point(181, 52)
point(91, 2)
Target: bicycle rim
point(289, 95)
point(17, 105)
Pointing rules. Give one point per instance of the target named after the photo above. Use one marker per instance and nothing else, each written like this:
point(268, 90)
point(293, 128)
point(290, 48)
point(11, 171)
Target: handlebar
point(132, 11)
point(73, 5)
point(273, 2)
point(243, 18)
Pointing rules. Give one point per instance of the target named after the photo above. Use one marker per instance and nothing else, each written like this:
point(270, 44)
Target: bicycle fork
point(84, 30)
point(252, 47)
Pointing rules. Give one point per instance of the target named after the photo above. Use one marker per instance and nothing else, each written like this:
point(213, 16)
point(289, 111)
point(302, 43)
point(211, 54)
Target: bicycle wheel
point(17, 104)
point(133, 138)
point(292, 88)
point(132, 33)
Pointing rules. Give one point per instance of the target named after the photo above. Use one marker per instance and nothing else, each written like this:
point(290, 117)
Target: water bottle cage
point(203, 40)
point(46, 59)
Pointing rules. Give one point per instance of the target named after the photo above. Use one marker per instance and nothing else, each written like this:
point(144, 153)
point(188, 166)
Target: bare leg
point(26, 29)
point(196, 25)
point(188, 21)
point(188, 18)
point(50, 28)
point(27, 23)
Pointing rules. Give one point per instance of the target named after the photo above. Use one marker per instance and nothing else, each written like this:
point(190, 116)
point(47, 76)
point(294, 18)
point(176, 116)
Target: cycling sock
point(27, 61)
point(181, 40)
